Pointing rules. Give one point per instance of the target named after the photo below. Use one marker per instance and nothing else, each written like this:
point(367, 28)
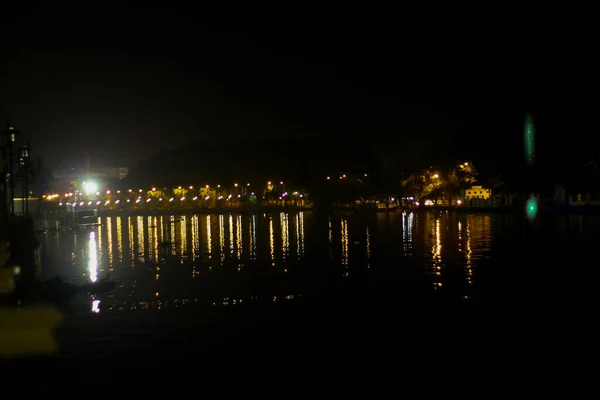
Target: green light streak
point(529, 138)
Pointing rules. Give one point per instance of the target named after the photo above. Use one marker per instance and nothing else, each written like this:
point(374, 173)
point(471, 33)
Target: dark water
point(341, 292)
point(232, 258)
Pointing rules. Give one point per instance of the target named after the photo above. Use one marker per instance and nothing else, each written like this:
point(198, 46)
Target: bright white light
point(96, 306)
point(90, 187)
point(93, 257)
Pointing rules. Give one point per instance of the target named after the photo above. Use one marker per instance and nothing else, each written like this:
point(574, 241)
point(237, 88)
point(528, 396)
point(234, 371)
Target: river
point(290, 285)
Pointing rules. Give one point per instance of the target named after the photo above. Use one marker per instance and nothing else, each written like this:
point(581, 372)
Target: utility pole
point(9, 136)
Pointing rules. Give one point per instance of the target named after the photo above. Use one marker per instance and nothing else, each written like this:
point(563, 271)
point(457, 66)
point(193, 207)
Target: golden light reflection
point(301, 233)
point(407, 232)
point(344, 241)
point(140, 239)
point(253, 237)
point(238, 234)
point(93, 257)
point(99, 222)
point(460, 238)
point(109, 243)
point(208, 238)
point(183, 237)
point(436, 250)
point(172, 232)
point(285, 235)
point(161, 232)
point(469, 255)
point(131, 241)
point(298, 235)
point(272, 240)
point(231, 240)
point(195, 239)
point(153, 238)
point(222, 237)
point(120, 238)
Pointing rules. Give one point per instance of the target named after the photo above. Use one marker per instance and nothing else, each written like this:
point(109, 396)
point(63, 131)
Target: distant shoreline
point(240, 210)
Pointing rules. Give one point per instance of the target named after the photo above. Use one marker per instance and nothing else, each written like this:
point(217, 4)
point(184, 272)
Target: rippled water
point(235, 257)
point(341, 292)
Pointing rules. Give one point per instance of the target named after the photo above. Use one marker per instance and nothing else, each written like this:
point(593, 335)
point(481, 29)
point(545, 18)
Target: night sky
point(124, 83)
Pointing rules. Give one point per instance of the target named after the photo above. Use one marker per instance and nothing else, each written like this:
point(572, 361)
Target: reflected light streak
point(302, 233)
point(298, 236)
point(99, 240)
point(344, 242)
point(93, 257)
point(161, 232)
point(96, 306)
point(153, 237)
point(436, 251)
point(253, 238)
point(120, 238)
point(183, 237)
point(208, 238)
point(172, 238)
point(195, 238)
point(109, 243)
point(368, 244)
point(231, 240)
point(131, 241)
point(140, 236)
point(459, 240)
point(222, 237)
point(469, 255)
point(330, 240)
point(407, 232)
point(272, 240)
point(285, 234)
point(238, 233)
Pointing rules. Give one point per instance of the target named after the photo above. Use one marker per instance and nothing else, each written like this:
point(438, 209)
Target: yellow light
point(130, 190)
point(207, 186)
point(108, 192)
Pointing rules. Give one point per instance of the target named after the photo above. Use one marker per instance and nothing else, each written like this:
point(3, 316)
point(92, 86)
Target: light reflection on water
point(93, 257)
point(168, 252)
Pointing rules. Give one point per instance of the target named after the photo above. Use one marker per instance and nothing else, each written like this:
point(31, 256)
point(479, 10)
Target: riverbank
point(186, 211)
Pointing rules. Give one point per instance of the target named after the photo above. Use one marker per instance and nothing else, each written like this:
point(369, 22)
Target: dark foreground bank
point(308, 343)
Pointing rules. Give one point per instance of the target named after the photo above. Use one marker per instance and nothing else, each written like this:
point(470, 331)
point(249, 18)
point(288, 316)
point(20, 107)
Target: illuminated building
point(478, 192)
